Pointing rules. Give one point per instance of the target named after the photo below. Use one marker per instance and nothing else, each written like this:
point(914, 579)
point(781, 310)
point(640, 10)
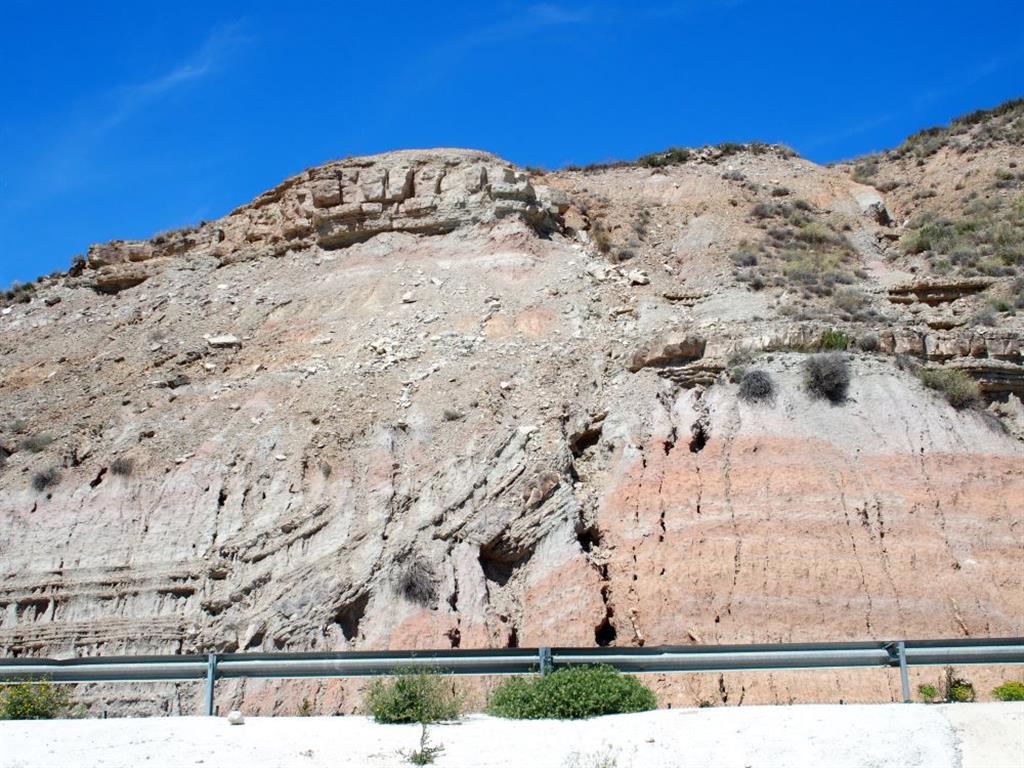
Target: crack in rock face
point(428, 399)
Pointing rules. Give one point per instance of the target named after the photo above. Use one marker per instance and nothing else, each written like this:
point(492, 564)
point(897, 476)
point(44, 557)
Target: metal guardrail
point(513, 661)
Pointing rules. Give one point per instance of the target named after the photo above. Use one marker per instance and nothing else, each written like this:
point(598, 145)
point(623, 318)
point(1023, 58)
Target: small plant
point(756, 386)
point(850, 300)
point(602, 240)
point(985, 316)
point(606, 758)
point(868, 342)
point(33, 701)
point(571, 693)
point(17, 426)
point(122, 466)
point(37, 443)
point(815, 234)
point(833, 340)
point(1010, 691)
point(305, 708)
point(45, 478)
point(928, 693)
point(827, 376)
point(958, 689)
point(416, 583)
point(412, 698)
point(959, 389)
point(427, 752)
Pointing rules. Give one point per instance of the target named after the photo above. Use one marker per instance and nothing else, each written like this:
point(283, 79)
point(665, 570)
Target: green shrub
point(959, 389)
point(960, 691)
point(1010, 691)
point(412, 698)
point(571, 693)
point(833, 340)
point(33, 701)
point(928, 693)
point(827, 376)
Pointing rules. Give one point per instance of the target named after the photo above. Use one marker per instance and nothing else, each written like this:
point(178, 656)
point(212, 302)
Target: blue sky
point(120, 120)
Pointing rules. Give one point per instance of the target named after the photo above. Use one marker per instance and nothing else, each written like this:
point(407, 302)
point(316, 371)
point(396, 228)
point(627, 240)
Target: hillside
point(429, 399)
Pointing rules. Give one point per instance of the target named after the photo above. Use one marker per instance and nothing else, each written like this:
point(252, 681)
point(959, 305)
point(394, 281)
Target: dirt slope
point(427, 399)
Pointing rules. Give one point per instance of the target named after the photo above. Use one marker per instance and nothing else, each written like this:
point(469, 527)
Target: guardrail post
point(545, 659)
point(211, 676)
point(901, 649)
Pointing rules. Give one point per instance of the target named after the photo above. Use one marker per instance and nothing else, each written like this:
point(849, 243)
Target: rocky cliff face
point(427, 399)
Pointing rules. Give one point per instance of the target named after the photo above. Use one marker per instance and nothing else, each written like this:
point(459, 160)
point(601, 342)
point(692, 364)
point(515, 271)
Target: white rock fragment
point(637, 277)
point(235, 717)
point(408, 297)
point(224, 340)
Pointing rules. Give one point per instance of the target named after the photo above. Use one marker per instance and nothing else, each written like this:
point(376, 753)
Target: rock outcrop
point(428, 399)
point(342, 203)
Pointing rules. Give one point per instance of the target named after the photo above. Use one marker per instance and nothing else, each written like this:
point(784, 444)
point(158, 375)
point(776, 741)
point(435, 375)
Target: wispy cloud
point(67, 159)
point(843, 134)
point(687, 7)
point(534, 18)
point(440, 60)
point(967, 78)
point(218, 45)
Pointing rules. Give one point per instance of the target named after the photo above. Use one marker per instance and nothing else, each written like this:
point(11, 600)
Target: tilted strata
point(413, 401)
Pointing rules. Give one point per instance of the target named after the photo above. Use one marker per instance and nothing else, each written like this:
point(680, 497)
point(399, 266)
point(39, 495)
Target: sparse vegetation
point(18, 293)
point(412, 698)
point(45, 478)
point(34, 701)
point(571, 693)
point(427, 752)
point(987, 240)
point(1003, 123)
point(865, 171)
point(928, 693)
point(416, 583)
point(16, 426)
point(959, 389)
point(851, 302)
point(827, 376)
point(122, 466)
point(599, 235)
point(671, 156)
point(868, 342)
point(756, 386)
point(605, 758)
point(37, 443)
